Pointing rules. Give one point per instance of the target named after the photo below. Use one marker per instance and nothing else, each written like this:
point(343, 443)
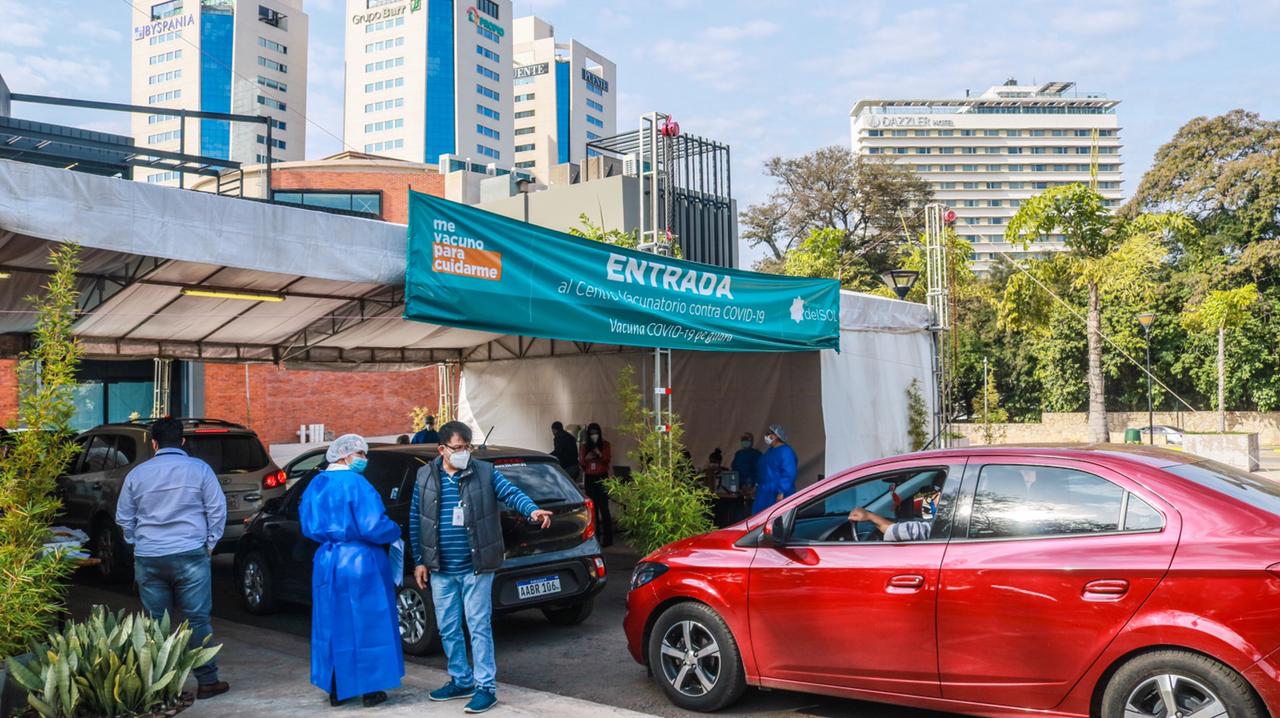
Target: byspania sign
point(476, 270)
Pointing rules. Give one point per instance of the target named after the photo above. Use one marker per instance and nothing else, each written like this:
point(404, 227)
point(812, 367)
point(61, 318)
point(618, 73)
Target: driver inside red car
point(905, 529)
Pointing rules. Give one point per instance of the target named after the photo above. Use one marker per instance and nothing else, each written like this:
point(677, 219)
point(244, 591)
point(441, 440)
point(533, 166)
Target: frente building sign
point(540, 68)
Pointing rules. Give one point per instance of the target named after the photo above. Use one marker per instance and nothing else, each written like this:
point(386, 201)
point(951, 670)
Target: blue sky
point(772, 78)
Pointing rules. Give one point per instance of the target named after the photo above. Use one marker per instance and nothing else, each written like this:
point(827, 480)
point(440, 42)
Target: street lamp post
point(1146, 319)
point(900, 280)
point(524, 187)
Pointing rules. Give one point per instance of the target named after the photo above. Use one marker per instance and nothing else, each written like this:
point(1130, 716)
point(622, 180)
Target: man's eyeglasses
point(463, 447)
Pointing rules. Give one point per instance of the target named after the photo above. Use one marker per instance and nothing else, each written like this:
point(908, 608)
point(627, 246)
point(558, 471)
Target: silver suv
point(91, 486)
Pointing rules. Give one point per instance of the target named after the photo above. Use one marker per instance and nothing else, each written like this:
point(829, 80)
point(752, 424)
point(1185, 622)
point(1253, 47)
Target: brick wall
point(394, 185)
point(367, 403)
point(8, 392)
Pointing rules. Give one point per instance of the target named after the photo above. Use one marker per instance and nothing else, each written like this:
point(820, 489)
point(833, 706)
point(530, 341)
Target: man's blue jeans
point(180, 584)
point(456, 594)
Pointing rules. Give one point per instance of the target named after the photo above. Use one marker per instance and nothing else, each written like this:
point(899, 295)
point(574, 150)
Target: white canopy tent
point(331, 296)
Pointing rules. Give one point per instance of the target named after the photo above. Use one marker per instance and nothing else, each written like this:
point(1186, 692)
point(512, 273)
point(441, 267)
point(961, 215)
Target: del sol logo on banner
point(476, 270)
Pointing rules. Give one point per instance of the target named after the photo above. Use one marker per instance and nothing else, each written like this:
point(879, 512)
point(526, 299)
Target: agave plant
point(114, 664)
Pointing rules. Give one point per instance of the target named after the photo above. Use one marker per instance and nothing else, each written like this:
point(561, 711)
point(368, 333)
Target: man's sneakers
point(209, 690)
point(452, 691)
point(481, 702)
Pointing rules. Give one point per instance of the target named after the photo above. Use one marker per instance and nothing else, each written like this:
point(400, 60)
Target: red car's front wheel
point(694, 658)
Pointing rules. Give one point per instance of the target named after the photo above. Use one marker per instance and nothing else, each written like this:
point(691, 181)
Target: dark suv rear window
point(228, 453)
point(544, 482)
point(1253, 490)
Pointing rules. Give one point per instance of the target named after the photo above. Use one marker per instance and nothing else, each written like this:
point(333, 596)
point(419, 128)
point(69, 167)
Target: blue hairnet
point(345, 446)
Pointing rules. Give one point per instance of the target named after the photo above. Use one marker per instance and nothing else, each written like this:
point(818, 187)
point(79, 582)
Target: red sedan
point(1084, 581)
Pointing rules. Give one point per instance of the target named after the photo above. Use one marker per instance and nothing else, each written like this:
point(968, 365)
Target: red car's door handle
point(907, 583)
point(1106, 589)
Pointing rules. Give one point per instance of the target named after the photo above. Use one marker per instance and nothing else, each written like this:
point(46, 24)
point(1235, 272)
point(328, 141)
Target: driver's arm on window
point(861, 514)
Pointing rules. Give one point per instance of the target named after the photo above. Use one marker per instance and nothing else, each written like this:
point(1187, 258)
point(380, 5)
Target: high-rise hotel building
point(428, 78)
point(235, 56)
point(565, 96)
point(985, 155)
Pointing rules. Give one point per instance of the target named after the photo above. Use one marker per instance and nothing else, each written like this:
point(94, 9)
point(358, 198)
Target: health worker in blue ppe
point(355, 632)
point(776, 474)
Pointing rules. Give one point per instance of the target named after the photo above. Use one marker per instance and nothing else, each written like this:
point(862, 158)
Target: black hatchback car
point(558, 570)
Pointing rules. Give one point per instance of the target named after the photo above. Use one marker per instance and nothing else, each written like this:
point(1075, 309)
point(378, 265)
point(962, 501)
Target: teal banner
point(477, 270)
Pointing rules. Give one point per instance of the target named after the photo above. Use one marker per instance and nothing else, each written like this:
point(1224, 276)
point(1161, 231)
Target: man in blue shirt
point(173, 511)
point(456, 535)
point(428, 435)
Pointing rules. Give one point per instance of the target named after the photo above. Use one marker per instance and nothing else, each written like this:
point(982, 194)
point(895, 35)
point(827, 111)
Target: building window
point(994, 185)
point(1037, 133)
point(164, 77)
point(157, 39)
point(385, 145)
point(153, 119)
point(488, 7)
point(491, 94)
point(274, 18)
point(1013, 133)
point(946, 150)
point(273, 45)
point(875, 133)
point(488, 151)
point(487, 53)
point(269, 102)
point(165, 97)
point(491, 114)
point(971, 203)
point(163, 177)
point(968, 133)
point(595, 121)
point(875, 150)
point(166, 9)
point(365, 203)
point(947, 185)
point(279, 144)
point(384, 105)
point(381, 45)
point(166, 57)
point(525, 148)
point(525, 98)
point(523, 114)
point(948, 168)
point(971, 185)
point(383, 125)
point(272, 64)
point(993, 150)
point(991, 133)
point(1015, 168)
point(946, 133)
point(1063, 150)
point(968, 150)
point(527, 164)
point(486, 72)
point(524, 130)
point(899, 133)
point(384, 84)
point(387, 64)
point(273, 84)
point(488, 132)
point(1015, 185)
point(163, 137)
point(277, 124)
point(384, 24)
point(595, 105)
point(488, 35)
point(592, 136)
point(968, 168)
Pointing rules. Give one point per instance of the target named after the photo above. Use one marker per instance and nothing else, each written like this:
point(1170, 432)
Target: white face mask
point(595, 437)
point(769, 440)
point(459, 459)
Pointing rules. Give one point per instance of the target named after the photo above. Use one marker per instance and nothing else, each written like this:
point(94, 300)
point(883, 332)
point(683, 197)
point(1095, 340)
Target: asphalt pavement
point(588, 662)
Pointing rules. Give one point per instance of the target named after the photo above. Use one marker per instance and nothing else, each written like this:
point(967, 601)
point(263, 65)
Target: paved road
point(590, 661)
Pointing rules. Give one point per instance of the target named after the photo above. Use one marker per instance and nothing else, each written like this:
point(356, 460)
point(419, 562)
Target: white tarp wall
point(839, 409)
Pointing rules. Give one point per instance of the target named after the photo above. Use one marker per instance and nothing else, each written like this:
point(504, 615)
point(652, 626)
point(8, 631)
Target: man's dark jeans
point(182, 585)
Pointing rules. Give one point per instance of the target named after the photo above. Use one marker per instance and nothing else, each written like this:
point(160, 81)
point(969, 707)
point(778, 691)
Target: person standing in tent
point(746, 462)
point(355, 630)
point(777, 470)
point(596, 459)
point(428, 435)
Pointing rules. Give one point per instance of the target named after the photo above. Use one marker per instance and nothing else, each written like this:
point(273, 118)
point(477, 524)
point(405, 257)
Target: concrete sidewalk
point(269, 673)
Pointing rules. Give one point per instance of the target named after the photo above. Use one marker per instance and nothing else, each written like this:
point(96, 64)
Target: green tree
point(35, 582)
point(917, 417)
point(866, 200)
point(1222, 171)
point(663, 501)
point(1104, 253)
point(1222, 311)
point(819, 256)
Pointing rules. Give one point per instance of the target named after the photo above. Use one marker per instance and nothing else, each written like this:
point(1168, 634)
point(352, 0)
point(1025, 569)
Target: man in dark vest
point(456, 535)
